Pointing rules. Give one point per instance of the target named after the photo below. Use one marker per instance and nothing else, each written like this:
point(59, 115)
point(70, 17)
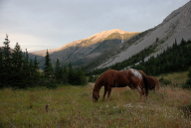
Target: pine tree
point(17, 63)
point(58, 71)
point(36, 64)
point(1, 59)
point(7, 53)
point(6, 70)
point(1, 66)
point(17, 57)
point(47, 66)
point(65, 74)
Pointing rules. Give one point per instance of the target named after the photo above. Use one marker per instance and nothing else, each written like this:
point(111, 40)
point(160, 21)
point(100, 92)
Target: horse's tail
point(145, 82)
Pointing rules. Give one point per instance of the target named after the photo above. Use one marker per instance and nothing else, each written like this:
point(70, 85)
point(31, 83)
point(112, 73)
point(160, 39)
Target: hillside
point(175, 26)
point(174, 58)
point(93, 49)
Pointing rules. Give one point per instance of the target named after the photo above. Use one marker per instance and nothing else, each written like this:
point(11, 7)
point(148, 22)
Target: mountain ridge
point(98, 37)
point(85, 51)
point(175, 26)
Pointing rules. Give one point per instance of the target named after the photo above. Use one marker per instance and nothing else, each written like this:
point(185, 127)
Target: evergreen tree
point(17, 58)
point(36, 64)
point(76, 76)
point(58, 73)
point(1, 66)
point(47, 66)
point(6, 70)
point(6, 53)
point(1, 59)
point(65, 74)
point(17, 62)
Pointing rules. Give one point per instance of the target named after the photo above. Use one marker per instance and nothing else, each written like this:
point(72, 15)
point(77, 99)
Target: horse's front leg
point(105, 91)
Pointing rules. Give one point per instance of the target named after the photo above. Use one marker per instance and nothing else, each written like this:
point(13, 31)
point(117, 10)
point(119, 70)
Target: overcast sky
point(45, 24)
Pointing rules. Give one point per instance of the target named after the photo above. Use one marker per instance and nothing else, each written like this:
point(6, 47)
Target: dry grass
point(72, 107)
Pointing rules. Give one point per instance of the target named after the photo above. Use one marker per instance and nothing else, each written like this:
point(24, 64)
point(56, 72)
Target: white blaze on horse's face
point(136, 73)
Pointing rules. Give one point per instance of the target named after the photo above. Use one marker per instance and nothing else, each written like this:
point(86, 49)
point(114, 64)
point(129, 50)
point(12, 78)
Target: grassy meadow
point(72, 107)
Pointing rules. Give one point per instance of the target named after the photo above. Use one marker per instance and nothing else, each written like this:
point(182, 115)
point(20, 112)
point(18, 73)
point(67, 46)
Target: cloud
point(48, 23)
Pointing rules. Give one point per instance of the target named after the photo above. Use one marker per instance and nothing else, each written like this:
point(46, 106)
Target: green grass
point(177, 78)
point(72, 107)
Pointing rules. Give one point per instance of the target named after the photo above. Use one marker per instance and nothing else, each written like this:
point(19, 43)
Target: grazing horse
point(113, 78)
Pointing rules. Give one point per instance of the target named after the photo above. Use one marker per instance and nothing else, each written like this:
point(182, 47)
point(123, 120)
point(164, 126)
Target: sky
point(47, 24)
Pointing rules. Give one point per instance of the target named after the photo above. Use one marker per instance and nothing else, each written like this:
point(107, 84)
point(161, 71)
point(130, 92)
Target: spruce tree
point(7, 53)
point(17, 57)
point(1, 59)
point(47, 66)
point(36, 64)
point(1, 66)
point(17, 62)
point(58, 73)
point(6, 70)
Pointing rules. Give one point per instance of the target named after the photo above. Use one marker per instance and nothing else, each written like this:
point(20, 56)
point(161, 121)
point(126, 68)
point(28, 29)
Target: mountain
point(116, 46)
point(176, 26)
point(90, 51)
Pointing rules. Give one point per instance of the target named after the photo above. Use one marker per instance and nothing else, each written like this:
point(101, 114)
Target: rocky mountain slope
point(92, 50)
point(174, 27)
point(114, 46)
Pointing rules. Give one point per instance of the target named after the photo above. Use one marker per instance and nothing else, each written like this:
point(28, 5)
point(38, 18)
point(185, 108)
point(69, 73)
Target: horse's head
point(95, 96)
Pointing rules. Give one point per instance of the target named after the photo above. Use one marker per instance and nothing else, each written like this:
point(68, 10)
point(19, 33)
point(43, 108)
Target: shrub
point(164, 81)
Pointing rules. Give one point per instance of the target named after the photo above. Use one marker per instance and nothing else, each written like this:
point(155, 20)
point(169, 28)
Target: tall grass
point(72, 107)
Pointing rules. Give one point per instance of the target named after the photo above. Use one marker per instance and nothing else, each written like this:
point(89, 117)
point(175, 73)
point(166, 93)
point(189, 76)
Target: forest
point(18, 70)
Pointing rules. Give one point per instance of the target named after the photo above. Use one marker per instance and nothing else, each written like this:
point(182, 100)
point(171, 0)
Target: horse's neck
point(97, 87)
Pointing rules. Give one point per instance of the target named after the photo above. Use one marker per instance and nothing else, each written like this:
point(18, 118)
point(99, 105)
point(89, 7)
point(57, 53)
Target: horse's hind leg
point(109, 92)
point(140, 92)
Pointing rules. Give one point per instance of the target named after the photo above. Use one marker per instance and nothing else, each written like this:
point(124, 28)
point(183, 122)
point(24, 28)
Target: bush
point(188, 82)
point(187, 85)
point(92, 78)
point(164, 81)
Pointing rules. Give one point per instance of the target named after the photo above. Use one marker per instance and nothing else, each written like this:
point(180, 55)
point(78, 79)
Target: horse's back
point(107, 76)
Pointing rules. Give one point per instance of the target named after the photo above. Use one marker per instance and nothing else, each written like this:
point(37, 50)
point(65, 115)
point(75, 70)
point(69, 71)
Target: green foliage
point(76, 76)
point(62, 74)
point(16, 69)
point(48, 70)
point(189, 73)
point(175, 58)
point(164, 81)
point(188, 82)
point(92, 78)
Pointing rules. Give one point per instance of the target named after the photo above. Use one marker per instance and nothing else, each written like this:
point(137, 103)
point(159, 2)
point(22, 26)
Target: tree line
point(18, 70)
point(173, 59)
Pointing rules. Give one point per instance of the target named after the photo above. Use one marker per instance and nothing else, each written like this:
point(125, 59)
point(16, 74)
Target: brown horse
point(151, 81)
point(113, 78)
